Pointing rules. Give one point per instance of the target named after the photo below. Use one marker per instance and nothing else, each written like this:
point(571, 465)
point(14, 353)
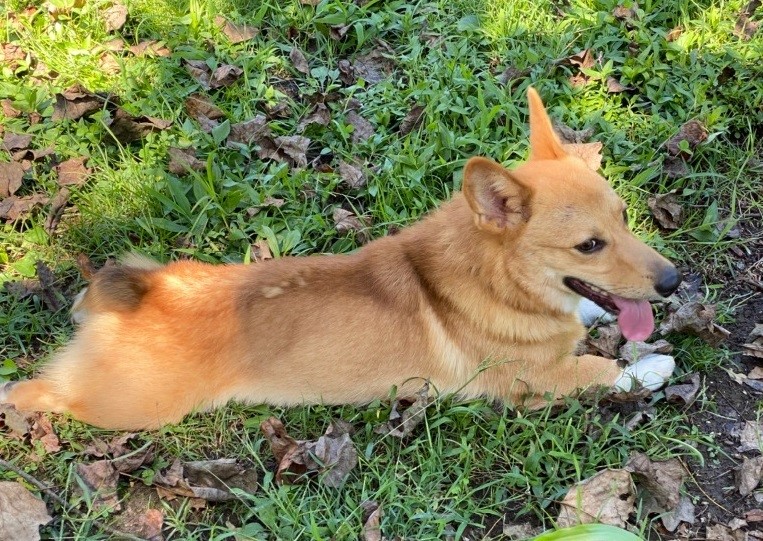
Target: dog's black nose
point(668, 281)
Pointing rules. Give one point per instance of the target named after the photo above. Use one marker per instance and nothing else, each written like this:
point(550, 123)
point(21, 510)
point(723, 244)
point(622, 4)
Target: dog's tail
point(116, 288)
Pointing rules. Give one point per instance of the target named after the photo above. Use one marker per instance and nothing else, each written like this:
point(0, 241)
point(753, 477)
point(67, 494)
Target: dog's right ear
point(499, 201)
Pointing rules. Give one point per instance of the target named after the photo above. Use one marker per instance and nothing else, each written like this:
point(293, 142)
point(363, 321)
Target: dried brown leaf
point(115, 17)
point(667, 210)
point(750, 435)
point(346, 72)
point(345, 220)
point(127, 128)
point(614, 86)
point(749, 474)
point(373, 67)
point(684, 512)
point(683, 394)
point(659, 483)
point(184, 160)
point(570, 136)
point(352, 176)
point(76, 102)
point(363, 129)
point(695, 318)
point(150, 47)
point(281, 443)
point(118, 445)
point(625, 12)
point(260, 251)
point(21, 513)
point(693, 132)
point(199, 105)
point(101, 478)
point(412, 120)
point(48, 289)
point(607, 498)
point(11, 175)
point(9, 111)
point(674, 167)
point(406, 415)
point(238, 33)
point(199, 70)
point(608, 340)
point(512, 74)
point(12, 208)
point(142, 516)
point(225, 75)
point(16, 141)
point(320, 115)
point(252, 131)
point(292, 149)
point(633, 351)
point(299, 61)
point(372, 523)
point(73, 172)
point(210, 480)
point(754, 346)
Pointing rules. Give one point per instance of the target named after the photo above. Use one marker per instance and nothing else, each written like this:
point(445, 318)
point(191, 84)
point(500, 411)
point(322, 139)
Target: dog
point(481, 298)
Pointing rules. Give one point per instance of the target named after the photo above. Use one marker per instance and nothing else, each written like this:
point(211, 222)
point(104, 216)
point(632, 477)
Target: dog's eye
point(590, 246)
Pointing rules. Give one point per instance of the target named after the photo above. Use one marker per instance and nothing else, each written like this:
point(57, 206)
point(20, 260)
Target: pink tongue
point(635, 319)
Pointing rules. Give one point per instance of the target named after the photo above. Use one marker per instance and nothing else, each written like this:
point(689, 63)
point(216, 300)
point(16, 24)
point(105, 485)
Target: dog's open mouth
point(633, 316)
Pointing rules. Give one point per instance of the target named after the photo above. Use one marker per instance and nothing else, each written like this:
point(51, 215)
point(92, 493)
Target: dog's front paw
point(651, 372)
point(590, 312)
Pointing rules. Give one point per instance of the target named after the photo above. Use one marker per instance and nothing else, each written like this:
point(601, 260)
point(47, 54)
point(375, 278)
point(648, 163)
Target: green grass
point(469, 463)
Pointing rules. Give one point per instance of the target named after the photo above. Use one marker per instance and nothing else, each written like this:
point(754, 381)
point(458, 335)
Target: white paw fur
point(589, 312)
point(650, 372)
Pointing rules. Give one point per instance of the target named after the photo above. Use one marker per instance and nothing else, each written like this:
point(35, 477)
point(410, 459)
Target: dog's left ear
point(499, 201)
point(544, 144)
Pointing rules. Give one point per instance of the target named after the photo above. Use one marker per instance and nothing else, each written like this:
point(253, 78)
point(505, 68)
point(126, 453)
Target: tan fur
point(470, 298)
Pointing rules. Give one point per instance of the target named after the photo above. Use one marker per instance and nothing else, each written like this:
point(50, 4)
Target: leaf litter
point(207, 480)
point(406, 414)
point(21, 513)
point(667, 211)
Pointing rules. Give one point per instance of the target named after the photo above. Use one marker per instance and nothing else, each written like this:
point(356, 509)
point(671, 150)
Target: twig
point(4, 464)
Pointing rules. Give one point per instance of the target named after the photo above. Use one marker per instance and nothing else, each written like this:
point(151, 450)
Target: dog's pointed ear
point(499, 201)
point(544, 144)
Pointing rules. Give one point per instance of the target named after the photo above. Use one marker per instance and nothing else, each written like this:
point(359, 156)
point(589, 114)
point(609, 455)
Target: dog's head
point(563, 230)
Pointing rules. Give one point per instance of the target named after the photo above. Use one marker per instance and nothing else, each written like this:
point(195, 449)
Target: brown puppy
point(481, 298)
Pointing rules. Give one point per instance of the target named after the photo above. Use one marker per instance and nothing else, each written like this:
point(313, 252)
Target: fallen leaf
point(659, 485)
point(568, 135)
point(115, 17)
point(749, 474)
point(280, 110)
point(150, 47)
point(199, 70)
point(126, 128)
point(108, 64)
point(15, 141)
point(666, 210)
point(11, 175)
point(719, 532)
point(363, 129)
point(744, 27)
point(412, 120)
point(238, 33)
point(684, 512)
point(614, 86)
point(12, 208)
point(345, 221)
point(210, 480)
point(754, 348)
point(625, 12)
point(250, 132)
point(608, 340)
point(21, 513)
point(11, 55)
point(299, 61)
point(101, 478)
point(76, 102)
point(372, 513)
point(346, 72)
point(674, 33)
point(607, 498)
point(225, 75)
point(199, 105)
point(695, 318)
point(406, 415)
point(512, 74)
point(633, 351)
point(352, 176)
point(48, 289)
point(339, 31)
point(56, 212)
point(260, 251)
point(333, 455)
point(373, 67)
point(142, 516)
point(674, 167)
point(118, 445)
point(72, 172)
point(320, 115)
point(292, 149)
point(183, 160)
point(683, 394)
point(693, 132)
point(754, 515)
point(749, 434)
point(8, 109)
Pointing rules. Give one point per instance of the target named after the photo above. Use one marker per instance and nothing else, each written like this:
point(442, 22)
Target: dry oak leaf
point(150, 48)
point(320, 115)
point(666, 210)
point(750, 435)
point(12, 208)
point(115, 17)
point(72, 172)
point(633, 351)
point(659, 484)
point(16, 141)
point(625, 13)
point(209, 480)
point(406, 415)
point(21, 513)
point(32, 426)
point(184, 160)
point(101, 477)
point(683, 394)
point(237, 33)
point(140, 516)
point(362, 128)
point(685, 512)
point(345, 220)
point(608, 340)
point(199, 105)
point(614, 86)
point(749, 474)
point(117, 446)
point(56, 212)
point(250, 132)
point(351, 175)
point(675, 167)
point(754, 348)
point(199, 70)
point(607, 497)
point(8, 109)
point(299, 61)
point(568, 135)
point(695, 318)
point(373, 67)
point(372, 512)
point(292, 149)
point(412, 119)
point(76, 102)
point(127, 128)
point(693, 132)
point(11, 175)
point(225, 75)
